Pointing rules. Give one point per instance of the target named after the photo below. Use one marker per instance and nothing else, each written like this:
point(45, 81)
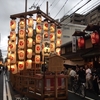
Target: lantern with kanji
point(37, 48)
point(30, 22)
point(20, 65)
point(13, 69)
point(8, 55)
point(8, 61)
point(21, 43)
point(95, 38)
point(58, 42)
point(58, 51)
point(30, 32)
point(21, 33)
point(28, 64)
point(45, 25)
point(13, 24)
point(52, 47)
point(22, 23)
point(38, 28)
point(29, 53)
point(21, 54)
point(58, 33)
point(29, 42)
point(12, 35)
point(12, 46)
point(12, 58)
point(38, 38)
point(45, 35)
point(37, 59)
point(52, 36)
point(38, 18)
point(81, 42)
point(52, 27)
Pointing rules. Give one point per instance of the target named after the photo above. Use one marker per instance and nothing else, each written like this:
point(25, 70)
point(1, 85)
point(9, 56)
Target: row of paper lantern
point(95, 39)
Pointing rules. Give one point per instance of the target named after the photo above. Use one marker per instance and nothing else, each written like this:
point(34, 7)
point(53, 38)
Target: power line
point(42, 3)
point(61, 8)
point(52, 3)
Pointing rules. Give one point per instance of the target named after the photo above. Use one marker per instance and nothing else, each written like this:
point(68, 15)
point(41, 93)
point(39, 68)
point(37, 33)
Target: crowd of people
point(88, 75)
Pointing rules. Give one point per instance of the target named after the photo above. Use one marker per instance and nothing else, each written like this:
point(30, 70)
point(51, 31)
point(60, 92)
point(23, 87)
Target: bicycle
point(79, 88)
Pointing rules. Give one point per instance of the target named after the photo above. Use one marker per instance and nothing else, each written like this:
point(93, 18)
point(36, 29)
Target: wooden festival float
point(33, 57)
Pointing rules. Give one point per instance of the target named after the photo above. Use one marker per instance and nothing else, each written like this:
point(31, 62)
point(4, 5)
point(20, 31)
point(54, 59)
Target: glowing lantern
point(12, 35)
point(21, 54)
point(8, 61)
point(37, 59)
point(29, 42)
point(38, 19)
point(13, 24)
point(30, 22)
point(20, 65)
point(38, 38)
point(95, 38)
point(29, 53)
point(8, 66)
point(45, 26)
point(81, 42)
point(45, 35)
point(9, 42)
point(12, 46)
point(8, 55)
point(52, 27)
point(21, 43)
point(38, 28)
point(13, 69)
point(12, 58)
point(52, 47)
point(37, 48)
point(59, 33)
point(29, 64)
point(8, 48)
point(52, 36)
point(30, 32)
point(21, 33)
point(58, 50)
point(22, 23)
point(58, 42)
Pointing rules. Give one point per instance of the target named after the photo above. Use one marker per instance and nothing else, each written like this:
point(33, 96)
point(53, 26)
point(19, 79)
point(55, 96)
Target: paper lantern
point(38, 19)
point(12, 46)
point(52, 47)
point(29, 64)
point(29, 42)
point(9, 42)
point(13, 24)
point(58, 33)
point(52, 27)
point(38, 38)
point(58, 42)
point(21, 54)
point(58, 51)
point(81, 42)
point(37, 59)
point(30, 32)
point(8, 61)
point(29, 53)
point(52, 37)
point(21, 33)
point(95, 38)
point(21, 43)
point(45, 35)
point(37, 48)
point(45, 26)
point(20, 65)
point(38, 28)
point(30, 22)
point(13, 58)
point(22, 23)
point(13, 35)
point(13, 69)
point(8, 55)
point(8, 49)
point(8, 66)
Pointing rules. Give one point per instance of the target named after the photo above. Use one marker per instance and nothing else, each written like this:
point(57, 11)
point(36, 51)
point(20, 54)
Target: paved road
point(1, 86)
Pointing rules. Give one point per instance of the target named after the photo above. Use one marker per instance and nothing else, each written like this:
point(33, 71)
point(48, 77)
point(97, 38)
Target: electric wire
point(55, 5)
point(42, 3)
point(61, 8)
point(74, 7)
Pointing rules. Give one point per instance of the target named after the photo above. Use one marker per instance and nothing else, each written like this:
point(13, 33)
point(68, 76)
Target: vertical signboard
point(73, 43)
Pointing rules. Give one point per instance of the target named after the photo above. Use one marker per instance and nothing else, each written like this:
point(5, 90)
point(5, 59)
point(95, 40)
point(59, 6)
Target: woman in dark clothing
point(95, 83)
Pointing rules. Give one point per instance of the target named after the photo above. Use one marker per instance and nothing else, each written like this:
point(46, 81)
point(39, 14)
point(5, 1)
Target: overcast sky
point(57, 9)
